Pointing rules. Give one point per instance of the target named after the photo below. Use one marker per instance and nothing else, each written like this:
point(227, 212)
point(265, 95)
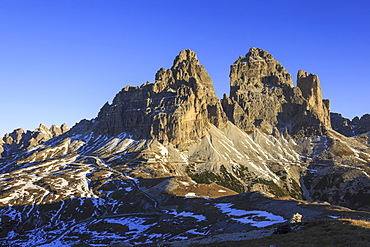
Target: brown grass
point(343, 232)
point(361, 223)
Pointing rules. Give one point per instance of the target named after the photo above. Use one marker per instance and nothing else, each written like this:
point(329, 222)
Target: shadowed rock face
point(356, 126)
point(262, 96)
point(178, 108)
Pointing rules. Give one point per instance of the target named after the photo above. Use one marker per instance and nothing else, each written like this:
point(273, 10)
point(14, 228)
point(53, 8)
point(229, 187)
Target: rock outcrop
point(177, 108)
point(19, 139)
point(262, 96)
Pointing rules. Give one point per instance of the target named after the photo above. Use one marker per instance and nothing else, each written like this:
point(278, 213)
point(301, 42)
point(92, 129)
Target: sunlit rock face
point(177, 108)
point(311, 91)
point(262, 96)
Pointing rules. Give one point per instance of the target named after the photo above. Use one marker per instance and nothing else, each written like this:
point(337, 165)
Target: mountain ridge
point(163, 143)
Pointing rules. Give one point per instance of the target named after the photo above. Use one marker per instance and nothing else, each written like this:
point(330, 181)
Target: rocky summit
point(262, 96)
point(168, 163)
point(177, 108)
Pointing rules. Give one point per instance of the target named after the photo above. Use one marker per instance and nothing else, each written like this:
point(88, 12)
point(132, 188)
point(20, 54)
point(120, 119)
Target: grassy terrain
point(343, 232)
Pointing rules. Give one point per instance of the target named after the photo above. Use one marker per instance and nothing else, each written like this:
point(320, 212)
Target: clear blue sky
point(61, 60)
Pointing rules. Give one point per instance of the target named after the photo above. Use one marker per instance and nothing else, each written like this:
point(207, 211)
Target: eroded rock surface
point(347, 127)
point(19, 139)
point(177, 108)
point(311, 91)
point(262, 96)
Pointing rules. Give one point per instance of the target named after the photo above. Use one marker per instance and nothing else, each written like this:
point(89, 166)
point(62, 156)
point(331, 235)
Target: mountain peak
point(186, 55)
point(312, 92)
point(262, 96)
point(42, 127)
point(178, 108)
point(257, 53)
point(133, 170)
point(258, 66)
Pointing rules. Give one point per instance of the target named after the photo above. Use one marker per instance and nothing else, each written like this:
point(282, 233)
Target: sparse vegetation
point(224, 178)
point(344, 232)
point(296, 190)
point(273, 188)
point(282, 174)
point(242, 172)
point(360, 199)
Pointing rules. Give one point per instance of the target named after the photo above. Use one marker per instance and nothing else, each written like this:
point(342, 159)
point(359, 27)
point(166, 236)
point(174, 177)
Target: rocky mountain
point(262, 96)
point(20, 140)
point(169, 162)
point(177, 108)
point(356, 126)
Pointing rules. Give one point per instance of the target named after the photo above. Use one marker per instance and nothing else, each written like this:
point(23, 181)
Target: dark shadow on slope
point(331, 183)
point(83, 220)
point(313, 233)
point(23, 222)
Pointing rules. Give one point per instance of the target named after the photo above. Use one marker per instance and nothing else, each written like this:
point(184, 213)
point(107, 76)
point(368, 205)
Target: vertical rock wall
point(262, 96)
point(177, 108)
point(311, 91)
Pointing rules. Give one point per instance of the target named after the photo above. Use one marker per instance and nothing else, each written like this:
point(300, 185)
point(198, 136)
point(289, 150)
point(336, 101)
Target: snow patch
point(190, 194)
point(334, 217)
point(256, 218)
point(184, 183)
point(163, 150)
point(198, 217)
point(133, 223)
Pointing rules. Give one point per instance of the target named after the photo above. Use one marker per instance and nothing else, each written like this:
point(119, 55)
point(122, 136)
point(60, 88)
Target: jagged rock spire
point(312, 92)
point(19, 139)
point(185, 56)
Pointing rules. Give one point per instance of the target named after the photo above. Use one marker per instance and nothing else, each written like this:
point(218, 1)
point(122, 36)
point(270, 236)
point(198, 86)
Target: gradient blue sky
point(60, 61)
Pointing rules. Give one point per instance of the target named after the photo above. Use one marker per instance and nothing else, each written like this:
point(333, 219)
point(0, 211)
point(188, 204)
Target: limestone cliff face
point(19, 139)
point(258, 67)
point(177, 108)
point(262, 96)
point(311, 91)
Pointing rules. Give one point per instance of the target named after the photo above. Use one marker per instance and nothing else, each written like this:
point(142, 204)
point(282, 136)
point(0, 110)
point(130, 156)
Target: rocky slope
point(19, 139)
point(356, 126)
point(146, 161)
